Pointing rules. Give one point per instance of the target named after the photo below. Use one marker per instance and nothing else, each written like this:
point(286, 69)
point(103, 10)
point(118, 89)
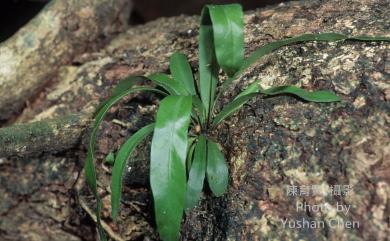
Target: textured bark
point(270, 144)
point(63, 28)
point(42, 136)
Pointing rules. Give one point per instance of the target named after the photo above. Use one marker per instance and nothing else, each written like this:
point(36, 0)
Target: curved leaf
point(126, 84)
point(182, 73)
point(252, 88)
point(208, 66)
point(270, 47)
point(221, 43)
point(236, 104)
point(313, 96)
point(168, 167)
point(232, 107)
point(90, 172)
point(122, 86)
point(170, 85)
point(197, 174)
point(120, 163)
point(217, 169)
point(228, 25)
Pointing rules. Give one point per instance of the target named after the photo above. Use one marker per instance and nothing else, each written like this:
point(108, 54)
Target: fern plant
point(182, 154)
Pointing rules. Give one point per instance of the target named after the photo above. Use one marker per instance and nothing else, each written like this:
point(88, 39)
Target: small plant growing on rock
point(181, 142)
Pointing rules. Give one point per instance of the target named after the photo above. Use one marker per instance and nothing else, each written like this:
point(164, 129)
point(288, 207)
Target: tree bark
point(30, 59)
point(48, 136)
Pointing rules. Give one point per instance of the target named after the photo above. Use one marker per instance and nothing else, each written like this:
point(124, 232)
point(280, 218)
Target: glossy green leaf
point(182, 73)
point(120, 163)
point(197, 174)
point(90, 172)
point(168, 167)
point(217, 169)
point(313, 96)
point(208, 66)
point(228, 25)
point(232, 107)
point(170, 85)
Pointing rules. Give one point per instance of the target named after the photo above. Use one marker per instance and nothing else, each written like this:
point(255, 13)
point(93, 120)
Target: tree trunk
point(63, 29)
point(272, 144)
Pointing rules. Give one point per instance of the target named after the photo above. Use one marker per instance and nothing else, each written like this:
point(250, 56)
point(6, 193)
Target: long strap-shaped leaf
point(167, 167)
point(232, 107)
point(182, 73)
point(313, 96)
point(228, 25)
point(208, 67)
point(122, 86)
point(236, 104)
point(270, 47)
point(197, 174)
point(254, 88)
point(120, 162)
point(217, 169)
point(90, 172)
point(221, 43)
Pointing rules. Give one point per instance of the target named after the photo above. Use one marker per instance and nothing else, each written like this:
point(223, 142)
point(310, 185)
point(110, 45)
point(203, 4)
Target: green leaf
point(190, 153)
point(120, 163)
point(110, 158)
point(168, 167)
point(208, 66)
point(170, 85)
point(270, 47)
point(199, 108)
point(228, 25)
point(126, 84)
point(237, 103)
point(221, 43)
point(197, 174)
point(370, 38)
point(122, 86)
point(90, 172)
point(217, 169)
point(252, 88)
point(182, 73)
point(314, 96)
point(232, 107)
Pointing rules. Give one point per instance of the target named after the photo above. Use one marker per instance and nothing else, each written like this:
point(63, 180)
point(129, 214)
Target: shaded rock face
point(272, 144)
